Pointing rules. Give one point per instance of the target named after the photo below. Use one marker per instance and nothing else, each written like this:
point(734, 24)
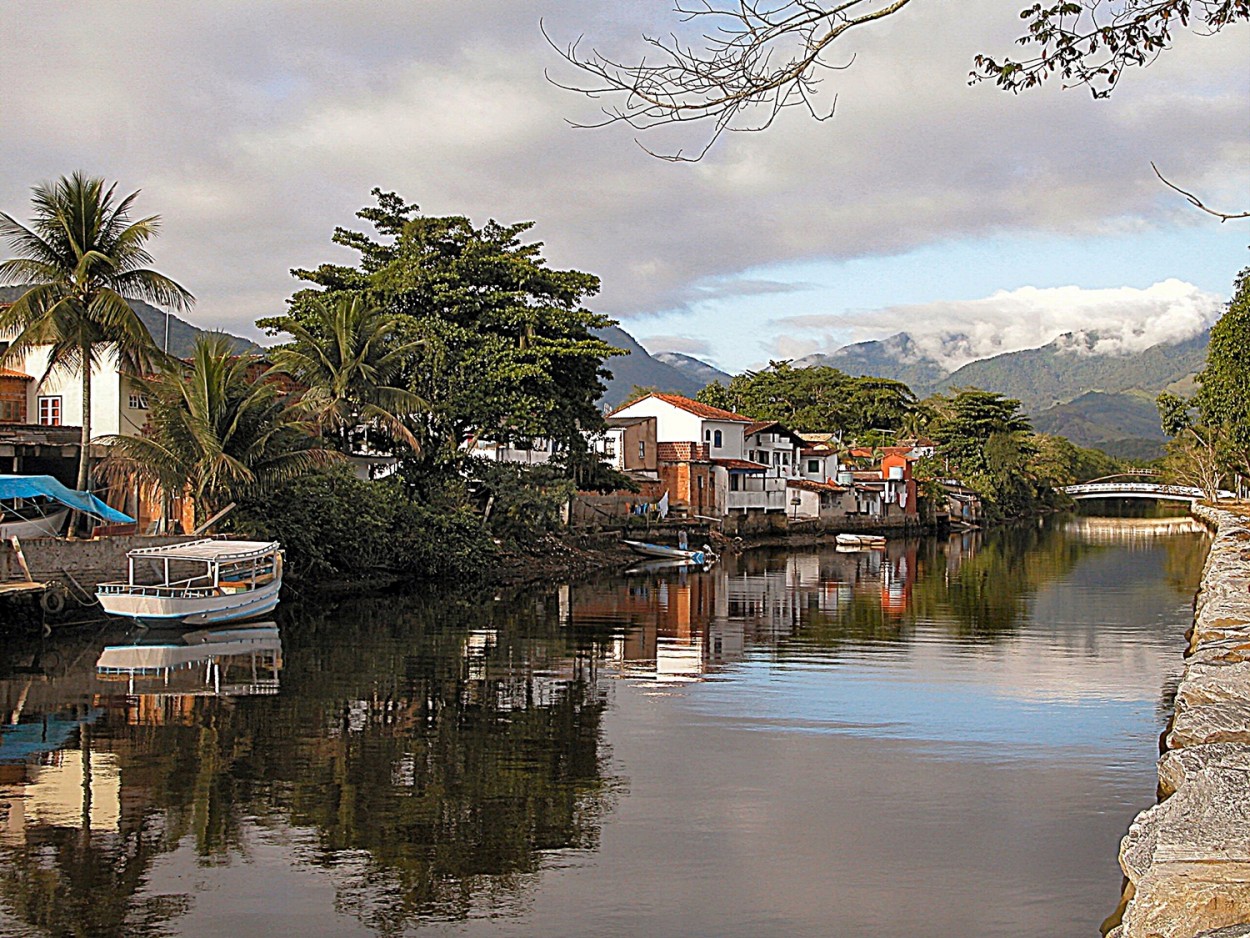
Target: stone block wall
point(1187, 859)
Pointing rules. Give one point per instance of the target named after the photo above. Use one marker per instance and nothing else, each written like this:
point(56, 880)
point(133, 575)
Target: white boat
point(49, 525)
point(860, 541)
point(246, 658)
point(663, 552)
point(197, 583)
point(37, 506)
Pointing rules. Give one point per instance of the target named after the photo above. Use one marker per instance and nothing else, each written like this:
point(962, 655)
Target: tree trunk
point(84, 453)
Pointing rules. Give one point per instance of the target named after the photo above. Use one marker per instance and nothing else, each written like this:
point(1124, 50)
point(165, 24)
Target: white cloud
point(1113, 321)
point(685, 344)
point(256, 128)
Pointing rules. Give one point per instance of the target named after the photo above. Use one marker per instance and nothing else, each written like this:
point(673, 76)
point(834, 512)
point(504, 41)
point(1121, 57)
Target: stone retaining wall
point(1187, 859)
point(88, 562)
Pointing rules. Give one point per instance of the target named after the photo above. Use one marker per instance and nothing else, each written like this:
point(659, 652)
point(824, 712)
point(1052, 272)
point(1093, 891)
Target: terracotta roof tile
point(10, 373)
point(705, 411)
point(740, 464)
point(813, 486)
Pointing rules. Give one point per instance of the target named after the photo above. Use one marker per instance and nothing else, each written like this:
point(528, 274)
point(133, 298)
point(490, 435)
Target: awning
point(48, 487)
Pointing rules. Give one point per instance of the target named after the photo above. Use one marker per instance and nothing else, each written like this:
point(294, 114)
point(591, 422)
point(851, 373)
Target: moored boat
point(37, 506)
point(197, 583)
point(860, 541)
point(664, 552)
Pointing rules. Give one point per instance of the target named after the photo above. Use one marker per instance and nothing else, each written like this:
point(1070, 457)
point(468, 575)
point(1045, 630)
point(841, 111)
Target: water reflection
point(436, 757)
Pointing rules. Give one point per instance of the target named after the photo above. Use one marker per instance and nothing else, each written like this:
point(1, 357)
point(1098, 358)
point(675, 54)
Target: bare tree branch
point(1195, 201)
point(755, 58)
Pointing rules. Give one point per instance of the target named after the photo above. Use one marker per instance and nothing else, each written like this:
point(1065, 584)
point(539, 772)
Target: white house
point(53, 398)
point(680, 420)
point(772, 444)
point(741, 484)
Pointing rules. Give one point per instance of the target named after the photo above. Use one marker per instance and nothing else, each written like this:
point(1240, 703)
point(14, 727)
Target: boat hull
point(860, 541)
point(149, 607)
point(661, 552)
point(50, 526)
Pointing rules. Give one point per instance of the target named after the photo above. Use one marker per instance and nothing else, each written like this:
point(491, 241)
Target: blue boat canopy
point(48, 487)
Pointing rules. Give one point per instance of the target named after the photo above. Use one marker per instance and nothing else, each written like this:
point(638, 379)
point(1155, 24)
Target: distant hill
point(699, 370)
point(1064, 370)
point(1124, 425)
point(182, 334)
point(642, 369)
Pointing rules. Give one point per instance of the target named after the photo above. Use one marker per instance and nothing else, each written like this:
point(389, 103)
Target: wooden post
point(21, 558)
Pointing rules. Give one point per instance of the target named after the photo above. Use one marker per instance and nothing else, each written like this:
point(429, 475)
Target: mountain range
point(671, 372)
point(1066, 386)
point(182, 334)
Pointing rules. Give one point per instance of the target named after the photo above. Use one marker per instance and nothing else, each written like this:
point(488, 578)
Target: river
point(947, 738)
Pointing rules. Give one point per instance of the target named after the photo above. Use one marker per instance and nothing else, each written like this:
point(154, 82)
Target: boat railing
point(187, 589)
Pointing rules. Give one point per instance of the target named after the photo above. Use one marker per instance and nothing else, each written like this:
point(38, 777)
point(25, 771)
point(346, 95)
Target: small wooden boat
point(861, 541)
point(664, 552)
point(197, 583)
point(37, 506)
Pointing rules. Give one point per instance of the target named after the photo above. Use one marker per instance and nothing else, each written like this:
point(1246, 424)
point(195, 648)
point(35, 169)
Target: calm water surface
point(947, 739)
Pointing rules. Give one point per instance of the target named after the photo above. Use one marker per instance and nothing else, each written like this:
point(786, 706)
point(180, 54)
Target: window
point(718, 440)
point(10, 411)
point(813, 466)
point(642, 450)
point(50, 411)
point(707, 436)
point(733, 481)
point(138, 401)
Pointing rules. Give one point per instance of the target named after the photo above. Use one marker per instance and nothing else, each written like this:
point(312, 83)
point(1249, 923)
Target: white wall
point(672, 424)
point(106, 391)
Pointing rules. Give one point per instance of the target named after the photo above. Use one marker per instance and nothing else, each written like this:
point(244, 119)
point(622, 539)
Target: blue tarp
point(48, 487)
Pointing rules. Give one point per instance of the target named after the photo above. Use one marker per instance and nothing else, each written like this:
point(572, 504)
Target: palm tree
point(85, 257)
point(215, 431)
point(347, 353)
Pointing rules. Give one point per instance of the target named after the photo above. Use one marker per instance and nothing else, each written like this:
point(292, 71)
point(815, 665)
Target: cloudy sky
point(925, 204)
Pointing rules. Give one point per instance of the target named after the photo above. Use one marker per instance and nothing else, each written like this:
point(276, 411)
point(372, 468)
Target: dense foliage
point(814, 399)
point(335, 526)
point(1210, 448)
point(214, 432)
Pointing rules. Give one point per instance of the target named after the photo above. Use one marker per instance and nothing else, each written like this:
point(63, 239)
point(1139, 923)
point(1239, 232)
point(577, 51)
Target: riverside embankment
point(1187, 859)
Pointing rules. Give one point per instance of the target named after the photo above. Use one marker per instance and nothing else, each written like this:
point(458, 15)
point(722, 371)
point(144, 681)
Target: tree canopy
point(496, 342)
point(815, 399)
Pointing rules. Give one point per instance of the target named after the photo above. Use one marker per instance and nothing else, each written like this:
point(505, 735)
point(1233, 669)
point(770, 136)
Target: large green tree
point(84, 256)
point(815, 399)
point(1224, 397)
point(501, 343)
point(985, 441)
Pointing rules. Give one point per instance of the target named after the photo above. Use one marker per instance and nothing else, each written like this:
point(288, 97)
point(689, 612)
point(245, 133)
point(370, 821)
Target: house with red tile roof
point(741, 484)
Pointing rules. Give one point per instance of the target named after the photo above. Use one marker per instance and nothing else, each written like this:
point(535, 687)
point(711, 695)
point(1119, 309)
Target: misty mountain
point(182, 334)
point(1125, 425)
point(699, 370)
point(897, 357)
point(640, 368)
point(1065, 369)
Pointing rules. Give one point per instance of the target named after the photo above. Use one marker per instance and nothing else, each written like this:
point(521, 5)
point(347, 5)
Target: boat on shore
point(37, 506)
point(200, 582)
point(663, 552)
point(860, 541)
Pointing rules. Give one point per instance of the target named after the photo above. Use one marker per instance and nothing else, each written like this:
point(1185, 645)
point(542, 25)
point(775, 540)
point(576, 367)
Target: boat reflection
point(236, 661)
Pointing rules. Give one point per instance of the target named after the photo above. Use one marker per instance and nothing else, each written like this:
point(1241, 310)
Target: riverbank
point(1187, 859)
